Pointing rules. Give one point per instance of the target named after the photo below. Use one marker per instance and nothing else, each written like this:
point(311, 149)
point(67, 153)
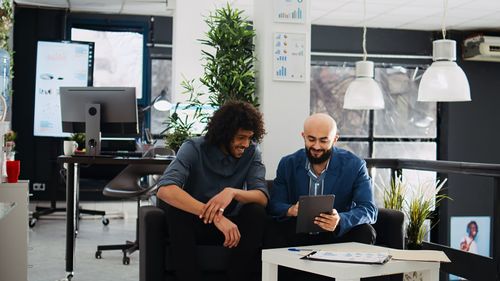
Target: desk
point(14, 231)
point(72, 191)
point(271, 258)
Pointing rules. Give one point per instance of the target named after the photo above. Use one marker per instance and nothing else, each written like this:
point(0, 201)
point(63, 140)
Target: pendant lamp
point(364, 92)
point(444, 80)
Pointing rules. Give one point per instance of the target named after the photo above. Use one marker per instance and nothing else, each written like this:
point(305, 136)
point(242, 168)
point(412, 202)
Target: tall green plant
point(394, 195)
point(229, 67)
point(228, 74)
point(7, 18)
point(420, 208)
point(6, 22)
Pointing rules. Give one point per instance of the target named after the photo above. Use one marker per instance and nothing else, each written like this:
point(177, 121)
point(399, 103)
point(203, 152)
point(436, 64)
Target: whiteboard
point(58, 64)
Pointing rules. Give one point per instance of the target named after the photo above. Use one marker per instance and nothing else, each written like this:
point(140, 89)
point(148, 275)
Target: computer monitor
point(111, 111)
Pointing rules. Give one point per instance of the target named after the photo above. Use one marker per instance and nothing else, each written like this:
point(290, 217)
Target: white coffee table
point(271, 258)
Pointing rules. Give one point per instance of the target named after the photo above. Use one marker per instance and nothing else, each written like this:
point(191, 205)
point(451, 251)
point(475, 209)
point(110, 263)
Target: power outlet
point(38, 186)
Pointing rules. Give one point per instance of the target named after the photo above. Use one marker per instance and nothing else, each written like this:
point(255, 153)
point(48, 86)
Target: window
point(404, 129)
point(118, 57)
point(161, 79)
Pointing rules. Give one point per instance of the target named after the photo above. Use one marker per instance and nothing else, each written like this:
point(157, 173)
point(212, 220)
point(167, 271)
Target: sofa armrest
point(152, 240)
point(390, 228)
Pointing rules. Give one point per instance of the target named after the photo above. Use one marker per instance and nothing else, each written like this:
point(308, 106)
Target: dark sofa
point(155, 254)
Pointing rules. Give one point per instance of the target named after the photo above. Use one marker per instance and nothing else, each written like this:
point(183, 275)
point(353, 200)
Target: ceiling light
point(444, 80)
point(364, 92)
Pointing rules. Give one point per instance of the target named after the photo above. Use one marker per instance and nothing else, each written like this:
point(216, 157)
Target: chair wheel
point(32, 222)
point(105, 221)
point(126, 260)
point(98, 255)
point(69, 277)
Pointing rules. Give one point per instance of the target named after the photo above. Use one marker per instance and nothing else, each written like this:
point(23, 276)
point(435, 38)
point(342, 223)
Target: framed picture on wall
point(289, 11)
point(470, 234)
point(289, 56)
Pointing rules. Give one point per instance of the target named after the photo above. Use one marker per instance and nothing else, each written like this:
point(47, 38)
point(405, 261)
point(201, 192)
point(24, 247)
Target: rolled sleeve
point(256, 176)
point(178, 171)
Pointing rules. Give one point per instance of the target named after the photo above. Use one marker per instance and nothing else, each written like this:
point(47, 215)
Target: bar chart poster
point(289, 56)
point(290, 11)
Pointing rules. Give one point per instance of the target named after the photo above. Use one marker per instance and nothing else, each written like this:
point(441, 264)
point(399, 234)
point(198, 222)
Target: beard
point(318, 160)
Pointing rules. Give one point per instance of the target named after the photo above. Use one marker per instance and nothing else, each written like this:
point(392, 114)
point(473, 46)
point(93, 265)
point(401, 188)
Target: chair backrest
point(127, 184)
point(159, 151)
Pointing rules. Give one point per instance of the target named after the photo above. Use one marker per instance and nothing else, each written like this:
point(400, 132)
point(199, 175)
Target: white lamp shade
point(364, 93)
point(444, 81)
point(162, 105)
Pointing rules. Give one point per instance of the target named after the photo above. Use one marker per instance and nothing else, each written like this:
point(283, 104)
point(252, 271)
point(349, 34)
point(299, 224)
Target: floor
point(46, 250)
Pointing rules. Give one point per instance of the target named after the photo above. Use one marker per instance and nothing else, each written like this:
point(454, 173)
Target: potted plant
point(178, 129)
point(420, 208)
point(9, 145)
point(79, 138)
point(394, 194)
point(228, 72)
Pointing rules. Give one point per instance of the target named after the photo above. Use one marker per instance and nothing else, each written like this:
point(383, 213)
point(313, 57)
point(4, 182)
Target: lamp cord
point(443, 19)
point(364, 31)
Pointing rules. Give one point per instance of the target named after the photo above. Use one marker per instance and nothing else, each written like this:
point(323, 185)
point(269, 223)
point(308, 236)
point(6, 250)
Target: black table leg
point(70, 218)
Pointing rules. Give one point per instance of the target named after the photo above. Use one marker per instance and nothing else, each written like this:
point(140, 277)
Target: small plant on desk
point(10, 144)
point(80, 140)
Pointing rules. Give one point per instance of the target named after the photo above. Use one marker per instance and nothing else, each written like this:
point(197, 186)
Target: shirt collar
point(310, 170)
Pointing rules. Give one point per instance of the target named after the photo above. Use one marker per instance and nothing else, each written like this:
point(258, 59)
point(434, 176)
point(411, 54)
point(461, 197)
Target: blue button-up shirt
point(346, 177)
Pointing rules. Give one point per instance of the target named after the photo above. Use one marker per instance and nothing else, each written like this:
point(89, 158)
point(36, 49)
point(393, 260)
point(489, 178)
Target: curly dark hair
point(231, 117)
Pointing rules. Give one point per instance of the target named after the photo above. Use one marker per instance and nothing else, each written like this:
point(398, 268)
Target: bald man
point(318, 169)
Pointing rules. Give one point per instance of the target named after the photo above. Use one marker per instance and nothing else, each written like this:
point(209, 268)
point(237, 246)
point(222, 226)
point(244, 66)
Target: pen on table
point(299, 249)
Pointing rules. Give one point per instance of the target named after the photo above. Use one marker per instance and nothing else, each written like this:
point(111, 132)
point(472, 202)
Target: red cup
point(13, 170)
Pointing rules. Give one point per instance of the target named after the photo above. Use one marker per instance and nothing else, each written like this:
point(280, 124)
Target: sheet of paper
point(419, 255)
point(356, 257)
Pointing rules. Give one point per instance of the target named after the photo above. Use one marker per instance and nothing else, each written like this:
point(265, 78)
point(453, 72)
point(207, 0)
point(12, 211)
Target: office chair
point(130, 184)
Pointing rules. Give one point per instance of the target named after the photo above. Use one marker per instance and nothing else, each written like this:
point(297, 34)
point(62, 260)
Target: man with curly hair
point(215, 189)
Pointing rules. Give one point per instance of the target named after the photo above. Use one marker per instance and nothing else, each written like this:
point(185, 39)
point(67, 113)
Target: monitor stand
point(93, 129)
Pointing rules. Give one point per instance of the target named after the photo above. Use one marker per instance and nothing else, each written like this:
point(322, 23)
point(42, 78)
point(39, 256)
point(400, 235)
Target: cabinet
point(14, 231)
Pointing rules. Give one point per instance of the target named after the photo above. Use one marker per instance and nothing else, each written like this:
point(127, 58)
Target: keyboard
point(121, 153)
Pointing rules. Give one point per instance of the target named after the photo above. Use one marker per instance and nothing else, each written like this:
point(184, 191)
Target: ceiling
point(399, 14)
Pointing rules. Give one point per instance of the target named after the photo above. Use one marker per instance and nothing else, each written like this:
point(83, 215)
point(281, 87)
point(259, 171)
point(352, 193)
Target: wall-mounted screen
point(58, 64)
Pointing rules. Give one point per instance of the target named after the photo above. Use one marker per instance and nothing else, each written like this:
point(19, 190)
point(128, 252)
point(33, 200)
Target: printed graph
point(289, 56)
point(290, 11)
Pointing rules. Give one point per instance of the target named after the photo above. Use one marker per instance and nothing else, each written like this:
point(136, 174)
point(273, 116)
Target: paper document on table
point(350, 257)
point(419, 255)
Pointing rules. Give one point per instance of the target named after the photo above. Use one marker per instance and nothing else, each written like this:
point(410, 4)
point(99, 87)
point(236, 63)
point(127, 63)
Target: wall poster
point(289, 56)
point(289, 11)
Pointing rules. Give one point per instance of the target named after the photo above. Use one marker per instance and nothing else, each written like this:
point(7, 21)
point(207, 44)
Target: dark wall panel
point(38, 154)
point(469, 132)
point(378, 41)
